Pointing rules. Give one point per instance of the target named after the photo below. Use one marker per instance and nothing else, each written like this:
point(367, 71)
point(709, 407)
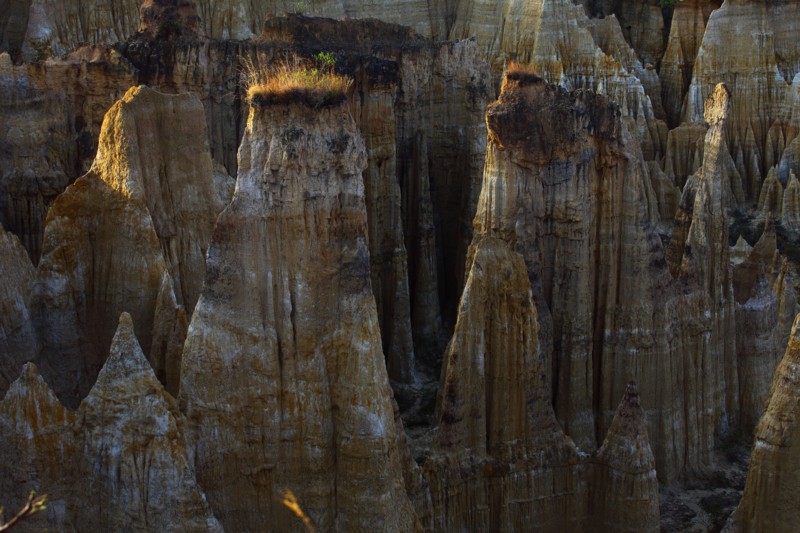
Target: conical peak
point(126, 360)
point(717, 105)
point(30, 379)
point(631, 397)
point(630, 419)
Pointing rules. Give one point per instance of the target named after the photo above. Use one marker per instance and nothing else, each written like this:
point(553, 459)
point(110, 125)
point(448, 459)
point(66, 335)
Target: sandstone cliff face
point(419, 105)
point(758, 71)
point(130, 235)
point(689, 20)
point(50, 136)
point(500, 462)
point(554, 37)
point(573, 201)
point(283, 379)
point(118, 462)
point(37, 29)
point(768, 503)
point(18, 340)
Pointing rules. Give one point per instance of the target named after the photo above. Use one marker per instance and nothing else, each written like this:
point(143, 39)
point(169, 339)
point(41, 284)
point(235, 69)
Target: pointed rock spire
point(769, 502)
point(625, 489)
point(18, 340)
point(770, 202)
point(38, 451)
point(134, 461)
point(790, 210)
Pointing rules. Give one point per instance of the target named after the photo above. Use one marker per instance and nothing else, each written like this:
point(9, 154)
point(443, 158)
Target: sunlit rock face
point(283, 379)
point(767, 504)
point(50, 135)
point(131, 235)
point(418, 104)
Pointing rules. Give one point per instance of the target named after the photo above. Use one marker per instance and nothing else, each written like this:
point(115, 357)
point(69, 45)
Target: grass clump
point(521, 73)
point(312, 83)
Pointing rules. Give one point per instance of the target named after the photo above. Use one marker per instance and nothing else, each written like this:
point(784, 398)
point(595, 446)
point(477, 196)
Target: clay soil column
point(284, 381)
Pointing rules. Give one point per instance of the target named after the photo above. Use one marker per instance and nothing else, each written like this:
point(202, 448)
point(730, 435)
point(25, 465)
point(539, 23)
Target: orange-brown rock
point(769, 502)
point(49, 134)
point(283, 379)
point(624, 483)
point(133, 463)
point(18, 340)
point(118, 463)
point(165, 19)
point(758, 72)
point(129, 235)
point(39, 451)
point(567, 189)
point(500, 461)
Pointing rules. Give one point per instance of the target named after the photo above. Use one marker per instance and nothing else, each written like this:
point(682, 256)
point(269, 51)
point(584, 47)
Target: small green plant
point(300, 8)
point(326, 60)
point(34, 505)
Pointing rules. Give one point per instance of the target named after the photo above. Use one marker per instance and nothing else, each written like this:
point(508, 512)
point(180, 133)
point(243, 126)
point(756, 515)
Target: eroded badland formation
point(536, 271)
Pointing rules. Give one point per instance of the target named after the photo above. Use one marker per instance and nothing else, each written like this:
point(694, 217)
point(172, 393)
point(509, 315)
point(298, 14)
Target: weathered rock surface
point(567, 189)
point(283, 379)
point(758, 71)
point(419, 105)
point(50, 136)
point(18, 340)
point(625, 487)
point(168, 19)
point(763, 285)
point(554, 38)
point(688, 25)
point(790, 209)
point(39, 451)
point(130, 235)
point(118, 463)
point(133, 462)
point(37, 29)
point(500, 462)
point(768, 503)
